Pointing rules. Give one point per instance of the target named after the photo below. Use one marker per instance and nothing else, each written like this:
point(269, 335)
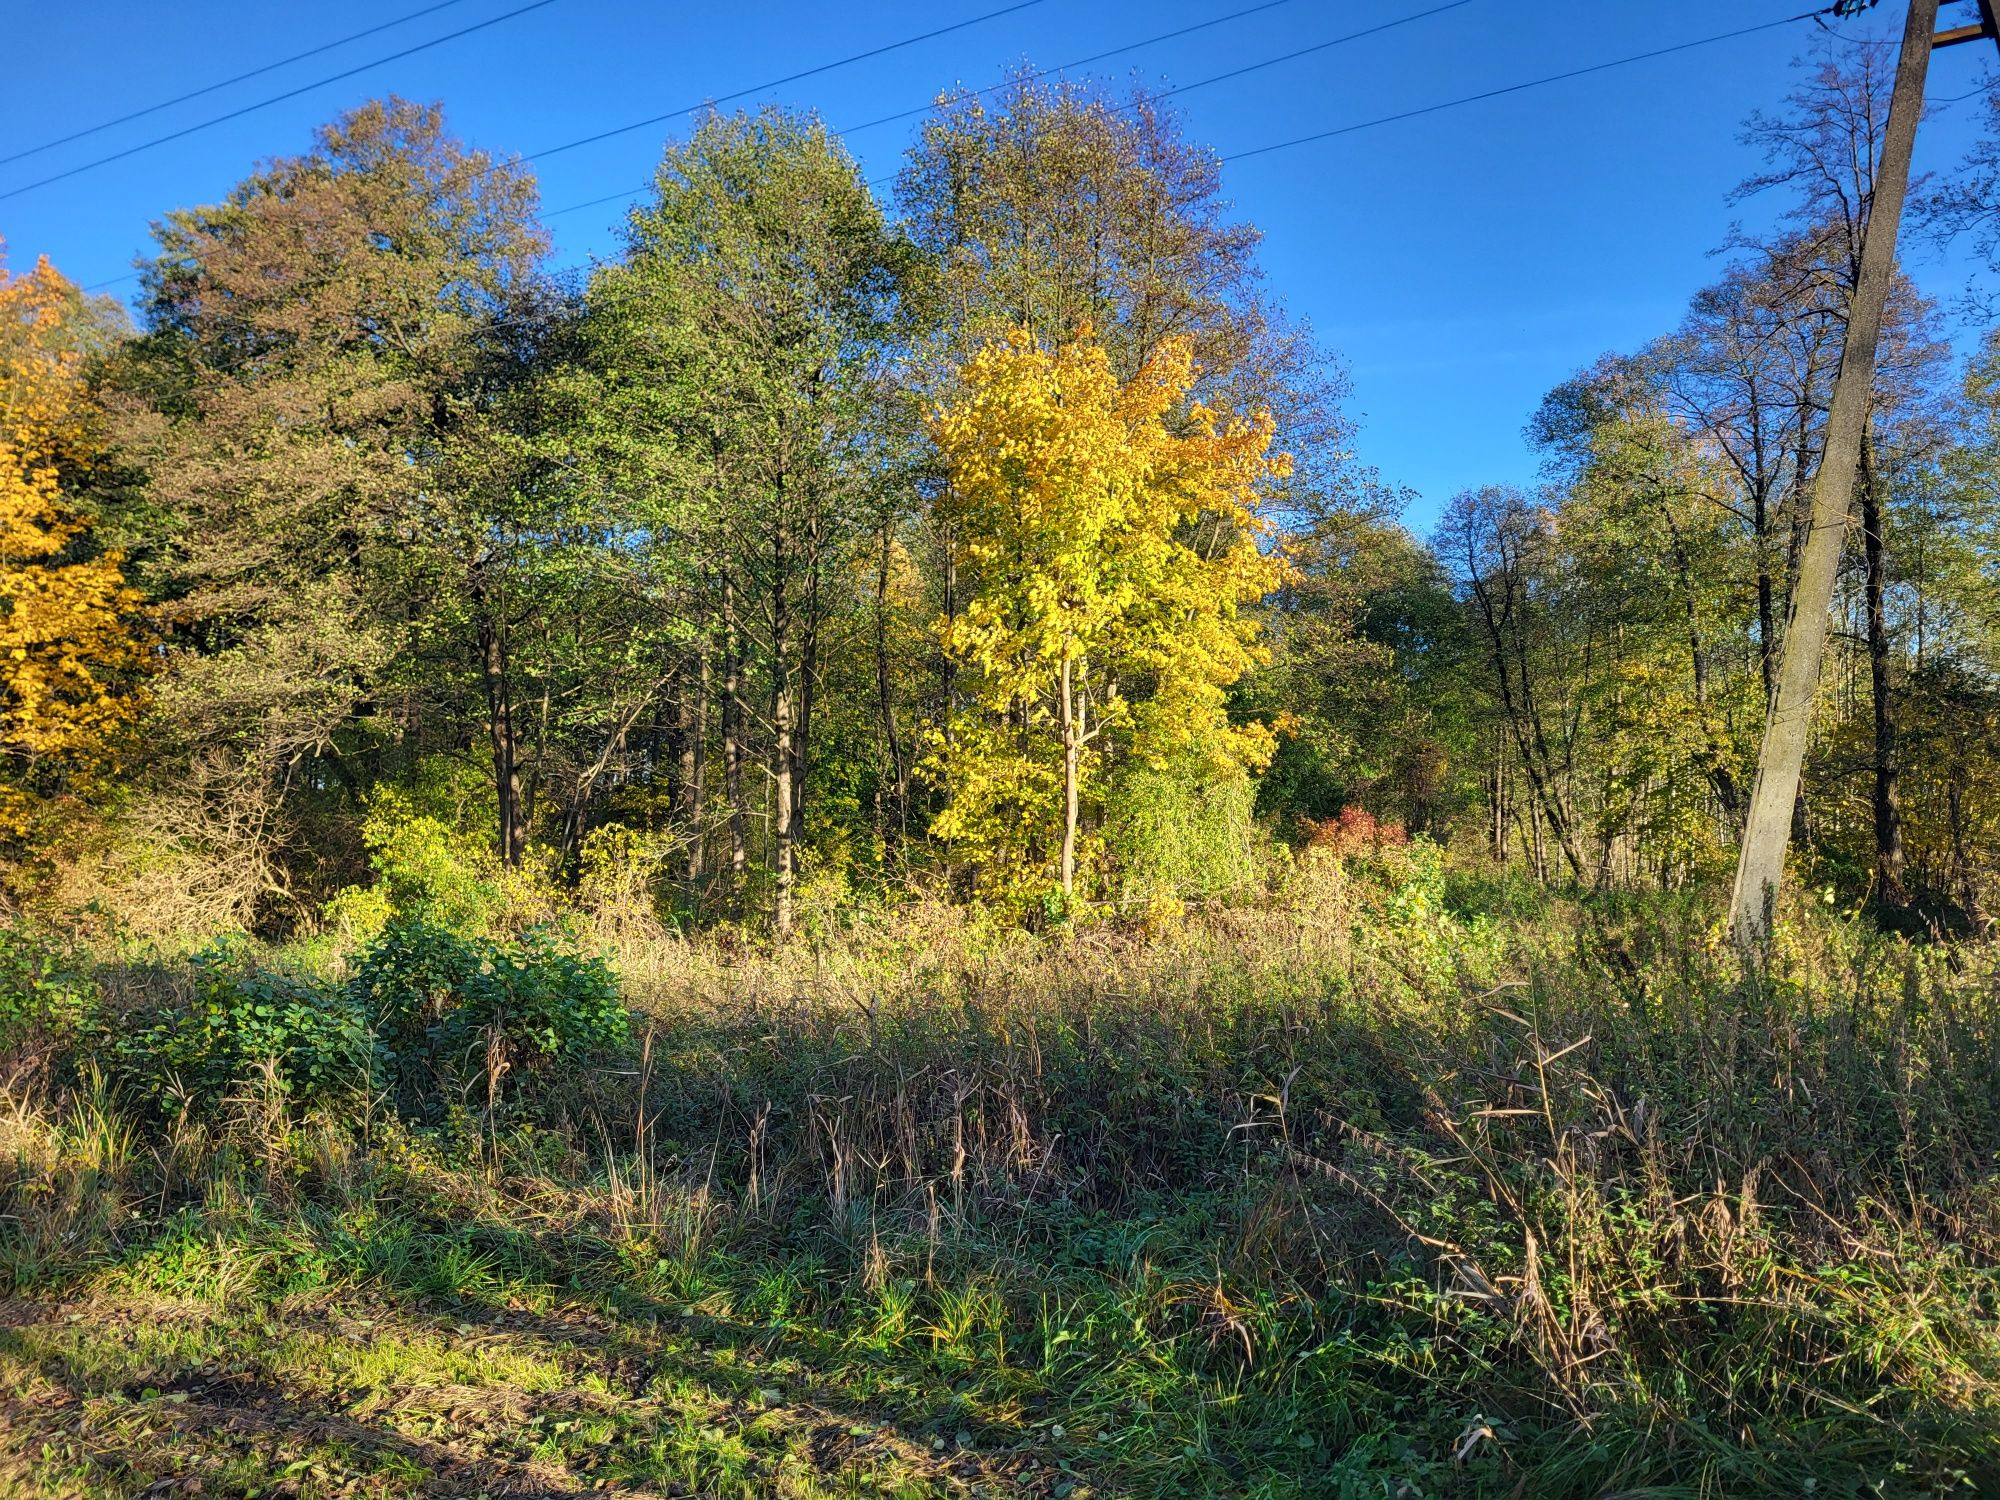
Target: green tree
point(314, 410)
point(742, 345)
point(1372, 676)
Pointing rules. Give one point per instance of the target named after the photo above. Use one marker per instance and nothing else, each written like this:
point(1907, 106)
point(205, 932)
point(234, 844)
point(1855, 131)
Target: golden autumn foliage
point(1111, 535)
point(69, 660)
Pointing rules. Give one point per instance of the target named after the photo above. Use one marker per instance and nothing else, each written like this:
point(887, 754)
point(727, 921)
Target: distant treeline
point(1002, 539)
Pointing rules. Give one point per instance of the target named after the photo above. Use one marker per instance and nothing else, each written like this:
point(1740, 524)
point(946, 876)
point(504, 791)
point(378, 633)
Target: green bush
point(241, 1015)
point(46, 993)
point(427, 1013)
point(425, 871)
point(1184, 832)
point(446, 1008)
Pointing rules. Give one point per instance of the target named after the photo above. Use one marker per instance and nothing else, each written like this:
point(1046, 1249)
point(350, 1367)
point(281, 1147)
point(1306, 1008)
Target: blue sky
point(1459, 263)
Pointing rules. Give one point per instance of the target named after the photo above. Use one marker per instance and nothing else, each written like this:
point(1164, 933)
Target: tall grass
point(1398, 1178)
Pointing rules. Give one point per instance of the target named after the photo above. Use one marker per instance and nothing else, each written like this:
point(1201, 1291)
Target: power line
point(1269, 62)
point(1515, 88)
point(1352, 36)
point(161, 140)
point(622, 129)
point(758, 88)
point(577, 208)
point(1164, 36)
point(1272, 62)
point(1409, 114)
point(283, 62)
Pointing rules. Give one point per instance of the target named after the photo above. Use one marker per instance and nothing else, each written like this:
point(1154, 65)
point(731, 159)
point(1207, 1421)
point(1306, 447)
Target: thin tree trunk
point(947, 667)
point(1888, 812)
point(1767, 611)
point(694, 769)
point(1964, 886)
point(885, 706)
point(1555, 790)
point(1714, 750)
point(1516, 712)
point(511, 832)
point(686, 753)
point(1072, 748)
point(802, 727)
point(1499, 784)
point(782, 770)
point(732, 746)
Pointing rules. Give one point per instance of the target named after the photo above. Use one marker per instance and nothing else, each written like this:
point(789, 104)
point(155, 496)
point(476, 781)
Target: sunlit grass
point(1356, 1195)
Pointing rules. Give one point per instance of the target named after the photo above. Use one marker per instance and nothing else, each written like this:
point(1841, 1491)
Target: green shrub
point(45, 992)
point(427, 1012)
point(1182, 832)
point(446, 1008)
point(241, 1015)
point(425, 871)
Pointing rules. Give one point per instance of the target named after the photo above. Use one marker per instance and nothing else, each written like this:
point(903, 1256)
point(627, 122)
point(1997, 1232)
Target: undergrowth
point(1399, 1184)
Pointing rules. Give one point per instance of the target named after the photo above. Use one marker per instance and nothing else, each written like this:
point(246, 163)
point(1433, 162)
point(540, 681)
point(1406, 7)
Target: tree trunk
point(512, 833)
point(947, 666)
point(806, 699)
point(1499, 798)
point(782, 770)
point(1965, 887)
point(1072, 748)
point(732, 746)
point(1518, 711)
point(1888, 813)
point(694, 772)
point(1767, 611)
point(1715, 748)
point(885, 707)
point(686, 752)
point(1766, 833)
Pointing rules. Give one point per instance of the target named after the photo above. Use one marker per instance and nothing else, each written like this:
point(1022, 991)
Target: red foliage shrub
point(1355, 831)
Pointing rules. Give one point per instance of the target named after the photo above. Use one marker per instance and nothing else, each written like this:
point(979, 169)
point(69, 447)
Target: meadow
point(849, 844)
point(1398, 1180)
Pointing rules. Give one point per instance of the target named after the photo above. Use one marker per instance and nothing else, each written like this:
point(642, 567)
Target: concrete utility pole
point(1761, 867)
point(1988, 25)
point(1767, 832)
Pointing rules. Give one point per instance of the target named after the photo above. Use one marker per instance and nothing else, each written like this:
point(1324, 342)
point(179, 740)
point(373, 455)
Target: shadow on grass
point(670, 1421)
point(158, 1438)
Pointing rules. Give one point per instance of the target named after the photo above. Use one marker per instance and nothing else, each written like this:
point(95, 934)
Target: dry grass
point(1397, 1179)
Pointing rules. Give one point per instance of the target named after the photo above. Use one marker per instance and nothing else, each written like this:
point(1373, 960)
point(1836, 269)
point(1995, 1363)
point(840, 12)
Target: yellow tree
point(1112, 536)
point(69, 661)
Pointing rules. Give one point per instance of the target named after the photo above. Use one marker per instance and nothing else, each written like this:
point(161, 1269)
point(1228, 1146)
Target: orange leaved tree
point(70, 661)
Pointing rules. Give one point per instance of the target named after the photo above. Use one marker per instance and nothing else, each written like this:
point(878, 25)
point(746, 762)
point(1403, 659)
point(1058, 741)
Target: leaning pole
point(1767, 832)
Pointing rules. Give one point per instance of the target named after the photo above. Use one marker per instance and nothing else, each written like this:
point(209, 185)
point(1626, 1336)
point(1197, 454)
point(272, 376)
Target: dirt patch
point(451, 1472)
point(228, 1391)
point(462, 1439)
